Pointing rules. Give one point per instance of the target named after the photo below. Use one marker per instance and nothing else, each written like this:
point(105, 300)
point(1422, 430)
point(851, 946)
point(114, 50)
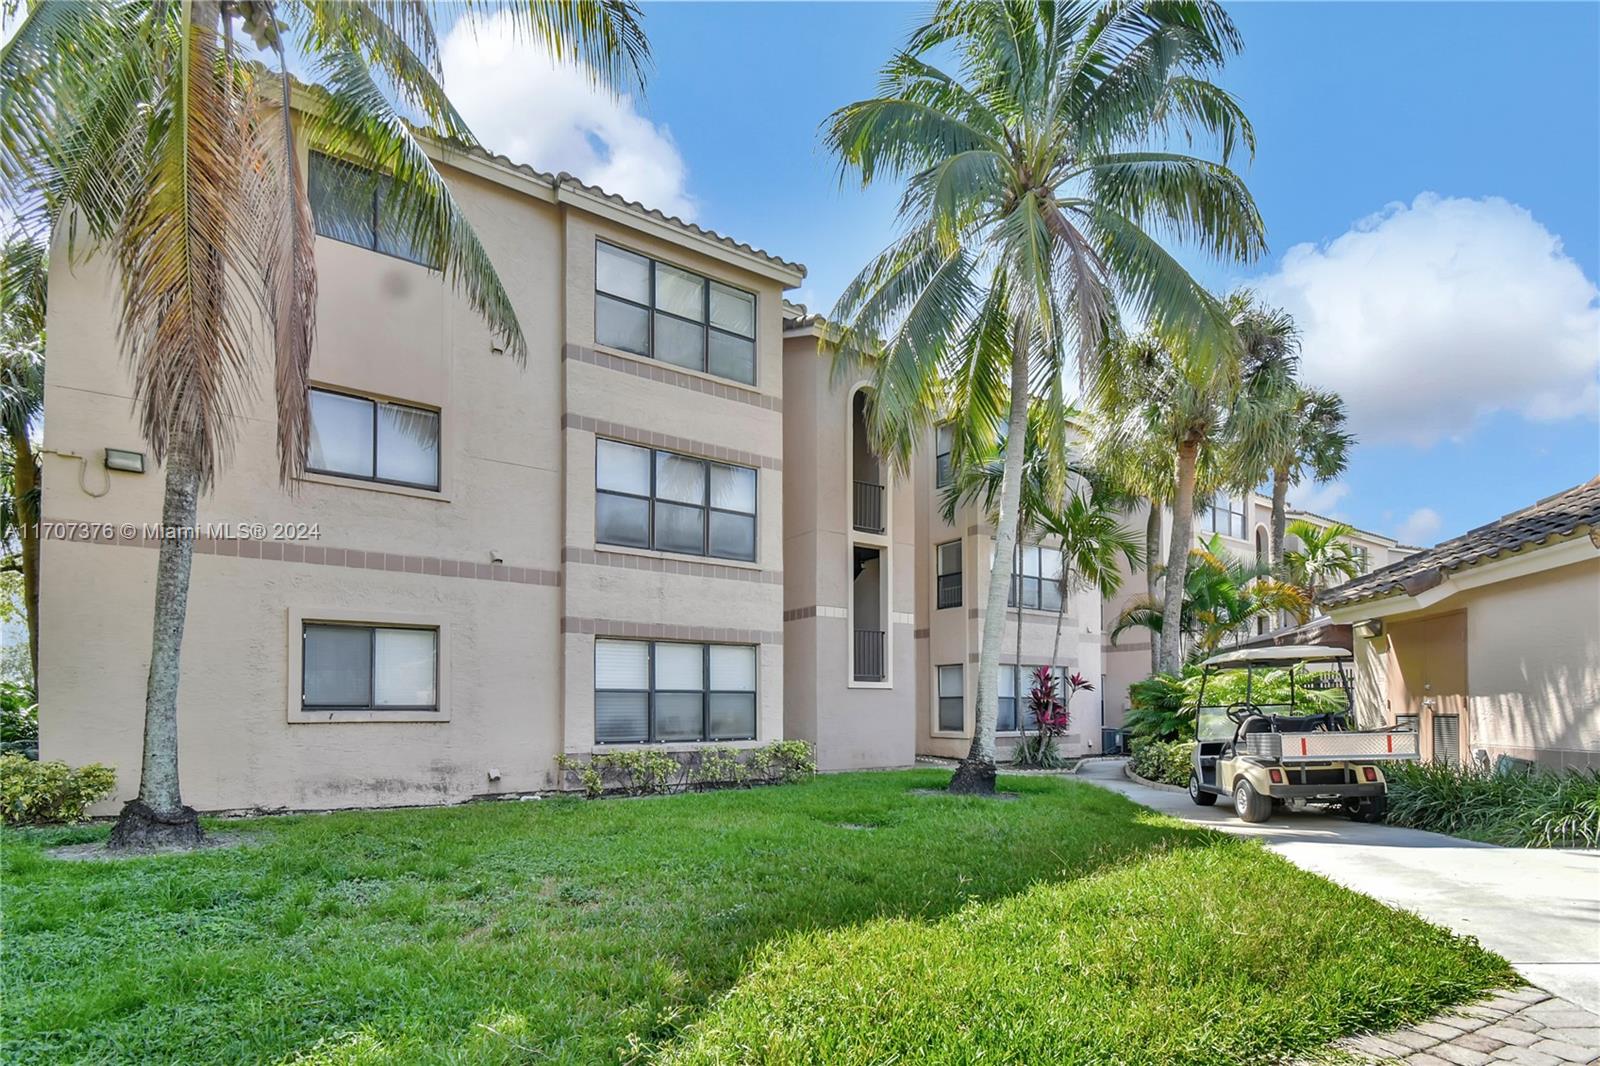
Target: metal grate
point(869, 655)
point(1447, 739)
point(868, 507)
point(949, 590)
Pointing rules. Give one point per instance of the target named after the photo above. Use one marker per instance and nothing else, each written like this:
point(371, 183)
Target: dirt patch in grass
point(97, 850)
point(1006, 796)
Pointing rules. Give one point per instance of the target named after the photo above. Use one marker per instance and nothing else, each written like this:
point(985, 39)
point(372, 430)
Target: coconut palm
point(23, 269)
point(1031, 191)
point(1324, 559)
point(1092, 538)
point(1311, 441)
point(149, 126)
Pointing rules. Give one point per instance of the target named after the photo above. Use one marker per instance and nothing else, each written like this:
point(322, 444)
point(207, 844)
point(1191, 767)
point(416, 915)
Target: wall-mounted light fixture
point(1371, 629)
point(122, 459)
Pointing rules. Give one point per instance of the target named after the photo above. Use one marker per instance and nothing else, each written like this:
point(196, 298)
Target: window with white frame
point(373, 440)
point(649, 498)
point(347, 667)
point(1036, 575)
point(948, 561)
point(664, 312)
point(660, 692)
point(1225, 516)
point(357, 206)
point(952, 699)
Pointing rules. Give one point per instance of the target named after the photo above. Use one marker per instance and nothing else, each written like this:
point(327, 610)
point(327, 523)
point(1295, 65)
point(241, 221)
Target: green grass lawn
point(841, 920)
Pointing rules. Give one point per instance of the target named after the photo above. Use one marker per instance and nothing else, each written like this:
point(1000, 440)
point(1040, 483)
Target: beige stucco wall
point(517, 485)
point(1532, 664)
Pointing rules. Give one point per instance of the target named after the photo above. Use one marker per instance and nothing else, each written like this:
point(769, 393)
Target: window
point(941, 462)
point(952, 700)
point(647, 498)
point(948, 557)
point(369, 668)
point(356, 206)
point(1037, 572)
point(1225, 516)
point(658, 692)
point(1364, 560)
point(352, 436)
point(658, 310)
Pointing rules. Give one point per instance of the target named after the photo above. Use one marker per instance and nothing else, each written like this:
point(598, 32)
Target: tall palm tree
point(1324, 559)
point(1311, 441)
point(24, 267)
point(1031, 190)
point(1092, 538)
point(147, 125)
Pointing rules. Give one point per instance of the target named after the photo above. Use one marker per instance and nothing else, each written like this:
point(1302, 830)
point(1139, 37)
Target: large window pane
point(1050, 595)
point(733, 488)
point(733, 536)
point(733, 716)
point(622, 273)
point(1030, 561)
point(680, 292)
point(733, 310)
point(732, 357)
point(621, 664)
point(679, 716)
point(392, 236)
point(950, 557)
point(680, 343)
point(337, 666)
point(952, 708)
point(733, 668)
point(680, 478)
point(680, 666)
point(403, 668)
point(680, 528)
point(341, 434)
point(621, 717)
point(620, 325)
point(621, 520)
point(408, 445)
point(621, 468)
point(341, 200)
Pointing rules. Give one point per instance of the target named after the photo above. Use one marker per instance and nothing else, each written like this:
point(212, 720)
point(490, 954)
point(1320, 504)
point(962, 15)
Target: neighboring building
point(1245, 526)
point(1489, 642)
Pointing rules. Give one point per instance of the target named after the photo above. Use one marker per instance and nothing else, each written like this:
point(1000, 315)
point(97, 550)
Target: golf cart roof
point(1285, 655)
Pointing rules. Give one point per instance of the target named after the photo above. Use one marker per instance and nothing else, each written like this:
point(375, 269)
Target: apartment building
point(1244, 524)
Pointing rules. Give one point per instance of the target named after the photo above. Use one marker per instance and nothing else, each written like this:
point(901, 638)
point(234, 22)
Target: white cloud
point(1428, 316)
point(522, 105)
point(1420, 527)
point(1320, 499)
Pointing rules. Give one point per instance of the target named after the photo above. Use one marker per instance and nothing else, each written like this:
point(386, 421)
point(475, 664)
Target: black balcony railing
point(949, 590)
point(868, 507)
point(869, 655)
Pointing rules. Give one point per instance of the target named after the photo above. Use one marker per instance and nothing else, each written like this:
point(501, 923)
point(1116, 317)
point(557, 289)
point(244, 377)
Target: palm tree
point(1324, 559)
point(24, 267)
point(1092, 538)
point(1030, 193)
point(147, 126)
point(1312, 441)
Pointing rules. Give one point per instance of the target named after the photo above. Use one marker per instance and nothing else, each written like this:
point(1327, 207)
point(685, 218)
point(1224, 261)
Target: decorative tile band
point(654, 371)
point(694, 568)
point(651, 439)
point(921, 634)
point(608, 627)
point(321, 555)
point(796, 614)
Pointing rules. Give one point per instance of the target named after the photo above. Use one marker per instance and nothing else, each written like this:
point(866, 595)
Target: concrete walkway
point(1539, 909)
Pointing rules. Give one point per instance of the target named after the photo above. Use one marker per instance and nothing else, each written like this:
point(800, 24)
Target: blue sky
point(1435, 169)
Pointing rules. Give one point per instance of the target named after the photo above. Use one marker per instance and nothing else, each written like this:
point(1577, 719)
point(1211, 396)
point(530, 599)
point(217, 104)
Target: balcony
point(869, 664)
point(950, 590)
point(868, 507)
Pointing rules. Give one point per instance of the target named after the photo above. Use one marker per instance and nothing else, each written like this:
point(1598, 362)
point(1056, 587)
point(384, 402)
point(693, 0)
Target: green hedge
point(1163, 761)
point(1517, 808)
point(32, 792)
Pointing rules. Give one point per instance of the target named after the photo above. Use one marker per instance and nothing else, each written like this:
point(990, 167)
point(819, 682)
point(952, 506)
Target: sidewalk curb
point(1127, 771)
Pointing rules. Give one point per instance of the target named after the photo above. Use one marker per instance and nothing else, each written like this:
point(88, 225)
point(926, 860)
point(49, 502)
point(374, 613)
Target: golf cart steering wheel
point(1240, 711)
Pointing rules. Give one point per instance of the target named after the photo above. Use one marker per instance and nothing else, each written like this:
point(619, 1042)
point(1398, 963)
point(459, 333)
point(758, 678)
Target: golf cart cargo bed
point(1332, 747)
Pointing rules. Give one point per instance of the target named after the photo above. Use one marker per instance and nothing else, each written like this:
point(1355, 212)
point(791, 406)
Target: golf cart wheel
point(1200, 797)
point(1250, 805)
point(1371, 810)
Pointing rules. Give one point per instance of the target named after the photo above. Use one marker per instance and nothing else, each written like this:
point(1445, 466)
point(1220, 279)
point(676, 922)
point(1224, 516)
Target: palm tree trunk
point(1152, 552)
point(1280, 517)
point(158, 817)
point(1016, 672)
point(976, 773)
point(25, 485)
point(1171, 660)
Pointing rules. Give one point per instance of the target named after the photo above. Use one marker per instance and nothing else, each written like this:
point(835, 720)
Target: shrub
point(1162, 705)
point(644, 772)
point(1166, 761)
point(33, 792)
point(1157, 710)
point(1529, 808)
point(19, 720)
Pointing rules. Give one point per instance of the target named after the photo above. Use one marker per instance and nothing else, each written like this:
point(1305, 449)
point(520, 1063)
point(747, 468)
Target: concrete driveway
point(1537, 908)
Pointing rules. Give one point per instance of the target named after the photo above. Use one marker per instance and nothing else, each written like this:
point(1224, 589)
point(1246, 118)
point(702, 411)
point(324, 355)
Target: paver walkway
point(1540, 909)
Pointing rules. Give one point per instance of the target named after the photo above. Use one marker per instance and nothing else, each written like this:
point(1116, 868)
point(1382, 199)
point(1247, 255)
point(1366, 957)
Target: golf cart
point(1295, 747)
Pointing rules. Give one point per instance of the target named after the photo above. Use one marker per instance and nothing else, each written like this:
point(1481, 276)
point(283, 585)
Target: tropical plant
point(1091, 538)
point(1030, 196)
point(169, 148)
point(1323, 559)
point(1051, 711)
point(1308, 438)
point(1159, 710)
point(24, 266)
